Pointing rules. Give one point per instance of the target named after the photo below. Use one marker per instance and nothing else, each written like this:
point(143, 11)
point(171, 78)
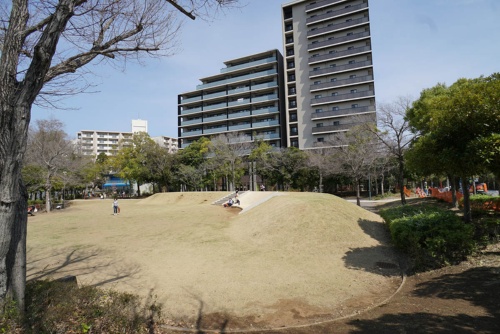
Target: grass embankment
point(291, 260)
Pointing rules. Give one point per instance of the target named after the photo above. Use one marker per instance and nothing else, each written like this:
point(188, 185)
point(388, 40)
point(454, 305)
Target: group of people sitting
point(232, 202)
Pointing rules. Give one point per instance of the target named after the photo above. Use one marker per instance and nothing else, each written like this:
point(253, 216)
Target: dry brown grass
point(294, 259)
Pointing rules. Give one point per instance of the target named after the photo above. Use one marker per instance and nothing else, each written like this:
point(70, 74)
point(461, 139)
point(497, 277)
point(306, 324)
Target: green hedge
point(431, 236)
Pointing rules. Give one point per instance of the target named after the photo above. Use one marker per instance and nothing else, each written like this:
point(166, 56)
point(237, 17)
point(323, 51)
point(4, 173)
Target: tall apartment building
point(245, 98)
point(329, 71)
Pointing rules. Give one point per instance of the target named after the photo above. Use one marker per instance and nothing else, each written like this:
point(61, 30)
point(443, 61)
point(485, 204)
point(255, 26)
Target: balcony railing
point(236, 79)
point(215, 106)
point(341, 97)
point(342, 112)
point(215, 130)
point(332, 128)
point(213, 95)
point(238, 90)
point(340, 68)
point(191, 133)
point(190, 111)
point(338, 83)
point(264, 85)
point(239, 127)
point(268, 136)
point(191, 99)
point(214, 118)
point(338, 40)
point(192, 121)
point(266, 123)
point(336, 13)
point(338, 26)
point(320, 4)
point(265, 98)
point(238, 102)
point(249, 64)
point(239, 114)
point(339, 54)
point(264, 111)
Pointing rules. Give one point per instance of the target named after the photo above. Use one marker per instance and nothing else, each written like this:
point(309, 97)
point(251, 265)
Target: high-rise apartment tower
point(328, 69)
point(246, 98)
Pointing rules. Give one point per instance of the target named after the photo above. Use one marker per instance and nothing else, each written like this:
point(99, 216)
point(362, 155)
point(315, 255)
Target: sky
point(416, 44)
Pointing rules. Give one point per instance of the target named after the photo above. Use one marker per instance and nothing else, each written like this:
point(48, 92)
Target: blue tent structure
point(115, 182)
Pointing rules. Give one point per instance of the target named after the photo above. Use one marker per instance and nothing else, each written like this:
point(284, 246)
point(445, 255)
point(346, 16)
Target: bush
point(432, 237)
point(62, 307)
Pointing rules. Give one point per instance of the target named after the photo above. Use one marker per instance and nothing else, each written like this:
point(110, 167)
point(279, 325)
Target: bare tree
point(394, 132)
point(355, 154)
point(51, 150)
point(231, 148)
point(319, 159)
point(45, 45)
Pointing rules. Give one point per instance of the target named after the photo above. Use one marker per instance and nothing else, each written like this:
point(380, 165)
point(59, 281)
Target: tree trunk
point(401, 182)
point(358, 200)
point(454, 188)
point(48, 200)
point(467, 209)
point(320, 182)
point(382, 185)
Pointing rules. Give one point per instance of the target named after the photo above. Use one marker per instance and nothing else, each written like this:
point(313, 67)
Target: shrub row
point(432, 237)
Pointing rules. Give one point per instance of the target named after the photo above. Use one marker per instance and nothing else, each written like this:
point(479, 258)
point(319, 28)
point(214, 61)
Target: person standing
point(115, 206)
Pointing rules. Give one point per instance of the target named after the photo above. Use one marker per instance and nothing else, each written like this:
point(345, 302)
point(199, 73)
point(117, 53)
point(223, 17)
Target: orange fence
point(444, 195)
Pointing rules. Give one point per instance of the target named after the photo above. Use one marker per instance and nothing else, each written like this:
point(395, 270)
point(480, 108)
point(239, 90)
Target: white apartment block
point(94, 142)
point(169, 143)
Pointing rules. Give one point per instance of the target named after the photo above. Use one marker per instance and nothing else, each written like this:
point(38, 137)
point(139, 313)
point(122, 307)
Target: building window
point(330, 38)
point(354, 90)
point(319, 110)
point(350, 48)
point(319, 125)
point(333, 65)
point(316, 68)
point(335, 93)
point(354, 105)
point(352, 76)
point(293, 117)
point(350, 34)
point(317, 96)
point(336, 123)
point(315, 42)
point(332, 51)
point(291, 77)
point(321, 140)
point(352, 61)
point(294, 143)
point(333, 79)
point(348, 20)
point(317, 82)
point(335, 108)
point(315, 55)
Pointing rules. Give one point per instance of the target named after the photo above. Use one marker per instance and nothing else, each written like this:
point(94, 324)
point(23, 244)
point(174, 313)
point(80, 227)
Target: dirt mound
point(186, 198)
point(290, 261)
